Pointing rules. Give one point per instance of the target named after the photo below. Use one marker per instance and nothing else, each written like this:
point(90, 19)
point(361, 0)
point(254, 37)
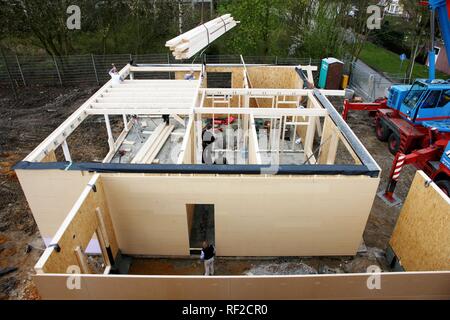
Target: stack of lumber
point(188, 44)
point(154, 144)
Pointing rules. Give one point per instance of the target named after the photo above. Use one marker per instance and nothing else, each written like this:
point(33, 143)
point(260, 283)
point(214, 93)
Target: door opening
point(201, 227)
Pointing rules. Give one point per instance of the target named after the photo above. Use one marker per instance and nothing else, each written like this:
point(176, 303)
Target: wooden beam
point(186, 140)
point(138, 158)
point(140, 111)
point(109, 131)
point(167, 68)
point(254, 156)
point(329, 143)
point(65, 148)
point(82, 260)
point(158, 145)
point(261, 112)
point(268, 92)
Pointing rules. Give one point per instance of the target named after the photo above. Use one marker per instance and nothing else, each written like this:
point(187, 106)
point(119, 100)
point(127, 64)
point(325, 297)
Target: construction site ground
point(38, 110)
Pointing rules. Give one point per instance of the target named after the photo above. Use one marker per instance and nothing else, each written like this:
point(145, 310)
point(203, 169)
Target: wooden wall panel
point(421, 238)
point(78, 229)
point(237, 80)
point(278, 77)
point(51, 194)
point(405, 285)
point(254, 215)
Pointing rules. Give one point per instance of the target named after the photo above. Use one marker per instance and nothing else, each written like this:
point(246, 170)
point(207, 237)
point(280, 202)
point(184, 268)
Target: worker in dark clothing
point(166, 118)
point(207, 140)
point(207, 255)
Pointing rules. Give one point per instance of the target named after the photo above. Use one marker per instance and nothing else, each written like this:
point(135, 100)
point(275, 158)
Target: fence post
point(57, 70)
point(276, 60)
point(20, 69)
point(95, 68)
point(9, 74)
point(168, 59)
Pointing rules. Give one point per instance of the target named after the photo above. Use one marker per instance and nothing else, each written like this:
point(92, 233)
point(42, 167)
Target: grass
point(387, 61)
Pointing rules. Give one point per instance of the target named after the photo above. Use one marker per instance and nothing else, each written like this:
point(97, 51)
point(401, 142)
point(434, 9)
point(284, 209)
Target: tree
point(260, 28)
point(46, 20)
point(418, 21)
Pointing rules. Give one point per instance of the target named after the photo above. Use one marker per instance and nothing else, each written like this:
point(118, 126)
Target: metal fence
point(372, 85)
point(79, 69)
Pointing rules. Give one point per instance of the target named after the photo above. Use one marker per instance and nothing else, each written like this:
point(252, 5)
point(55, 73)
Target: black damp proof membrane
point(348, 170)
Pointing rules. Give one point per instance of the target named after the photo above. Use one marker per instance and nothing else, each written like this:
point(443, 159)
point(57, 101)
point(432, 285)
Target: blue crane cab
point(422, 101)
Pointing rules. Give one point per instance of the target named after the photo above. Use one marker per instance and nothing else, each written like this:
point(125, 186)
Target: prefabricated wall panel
point(51, 194)
point(78, 228)
point(421, 238)
point(404, 285)
point(254, 215)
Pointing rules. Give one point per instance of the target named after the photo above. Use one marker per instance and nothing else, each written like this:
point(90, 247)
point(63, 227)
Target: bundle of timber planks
point(188, 44)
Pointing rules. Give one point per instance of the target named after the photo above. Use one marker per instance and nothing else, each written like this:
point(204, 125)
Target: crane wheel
point(393, 143)
point(381, 131)
point(445, 186)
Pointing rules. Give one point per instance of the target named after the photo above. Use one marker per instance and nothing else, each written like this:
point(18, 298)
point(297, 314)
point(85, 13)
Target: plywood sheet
point(421, 238)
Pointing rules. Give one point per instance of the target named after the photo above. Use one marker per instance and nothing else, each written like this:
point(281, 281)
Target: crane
point(415, 119)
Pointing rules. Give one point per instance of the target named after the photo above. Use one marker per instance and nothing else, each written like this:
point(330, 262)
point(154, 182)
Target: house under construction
point(285, 176)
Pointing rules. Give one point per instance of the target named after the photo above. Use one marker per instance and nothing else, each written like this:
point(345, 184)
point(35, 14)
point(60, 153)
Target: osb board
point(278, 77)
point(421, 238)
point(50, 157)
point(404, 285)
point(78, 230)
point(254, 215)
point(51, 194)
point(237, 81)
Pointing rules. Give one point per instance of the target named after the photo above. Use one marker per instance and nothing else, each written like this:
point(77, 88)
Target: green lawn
point(384, 60)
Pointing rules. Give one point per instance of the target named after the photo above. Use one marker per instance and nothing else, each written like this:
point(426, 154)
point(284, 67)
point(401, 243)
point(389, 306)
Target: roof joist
point(67, 127)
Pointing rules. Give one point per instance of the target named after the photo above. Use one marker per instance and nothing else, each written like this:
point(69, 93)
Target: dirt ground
point(25, 122)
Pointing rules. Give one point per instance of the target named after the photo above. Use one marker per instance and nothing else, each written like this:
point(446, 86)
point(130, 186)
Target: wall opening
point(201, 225)
point(219, 79)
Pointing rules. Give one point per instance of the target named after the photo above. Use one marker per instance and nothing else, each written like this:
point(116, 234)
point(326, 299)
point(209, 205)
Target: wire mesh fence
point(23, 71)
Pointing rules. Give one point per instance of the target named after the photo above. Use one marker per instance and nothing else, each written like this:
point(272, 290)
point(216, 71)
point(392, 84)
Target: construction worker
point(166, 119)
point(207, 256)
point(190, 75)
point(207, 141)
point(115, 76)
